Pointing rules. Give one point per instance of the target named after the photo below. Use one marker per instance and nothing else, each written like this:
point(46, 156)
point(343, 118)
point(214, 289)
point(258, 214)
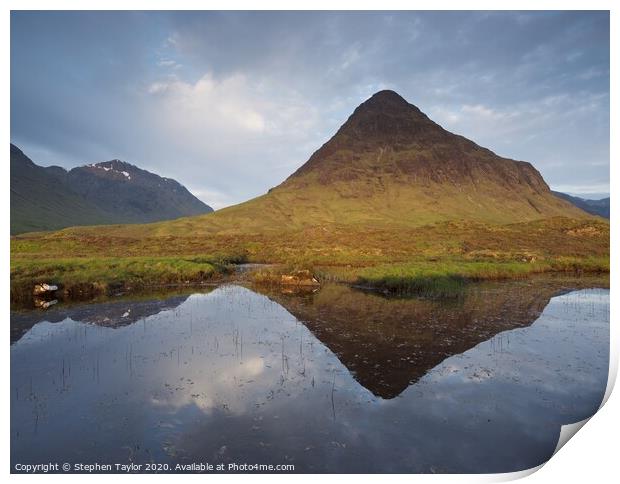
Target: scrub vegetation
point(438, 258)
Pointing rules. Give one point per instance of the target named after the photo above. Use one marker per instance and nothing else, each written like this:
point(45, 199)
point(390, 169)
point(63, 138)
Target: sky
point(231, 103)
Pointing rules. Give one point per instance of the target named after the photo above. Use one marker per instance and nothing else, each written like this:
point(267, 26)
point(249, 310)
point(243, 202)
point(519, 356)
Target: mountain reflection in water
point(232, 376)
point(390, 343)
point(111, 314)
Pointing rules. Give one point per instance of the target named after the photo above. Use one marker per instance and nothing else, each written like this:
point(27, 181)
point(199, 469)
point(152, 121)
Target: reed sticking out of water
point(427, 286)
point(333, 390)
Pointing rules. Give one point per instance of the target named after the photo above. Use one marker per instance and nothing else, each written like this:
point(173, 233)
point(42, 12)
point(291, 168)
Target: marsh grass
point(448, 278)
point(433, 278)
point(438, 257)
point(92, 276)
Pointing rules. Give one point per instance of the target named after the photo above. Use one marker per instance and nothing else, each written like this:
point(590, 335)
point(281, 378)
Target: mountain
point(390, 187)
point(595, 207)
point(388, 150)
point(389, 343)
point(389, 165)
point(111, 192)
point(111, 314)
point(133, 194)
point(41, 201)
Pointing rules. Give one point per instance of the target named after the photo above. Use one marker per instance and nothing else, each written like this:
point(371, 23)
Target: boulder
point(44, 288)
point(299, 278)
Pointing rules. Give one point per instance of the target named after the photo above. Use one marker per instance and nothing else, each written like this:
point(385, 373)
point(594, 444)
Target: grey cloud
point(230, 103)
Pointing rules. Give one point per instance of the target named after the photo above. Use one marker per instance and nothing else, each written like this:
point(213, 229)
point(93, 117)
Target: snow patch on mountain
point(109, 168)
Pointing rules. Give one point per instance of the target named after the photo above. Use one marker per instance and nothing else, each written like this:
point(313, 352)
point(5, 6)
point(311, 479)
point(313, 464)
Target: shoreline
point(270, 276)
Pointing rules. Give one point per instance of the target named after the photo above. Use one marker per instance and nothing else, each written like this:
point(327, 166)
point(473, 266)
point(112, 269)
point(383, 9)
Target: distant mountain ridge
point(595, 207)
point(134, 194)
point(110, 192)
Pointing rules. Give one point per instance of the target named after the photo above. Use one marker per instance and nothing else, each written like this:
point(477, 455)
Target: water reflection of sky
point(232, 376)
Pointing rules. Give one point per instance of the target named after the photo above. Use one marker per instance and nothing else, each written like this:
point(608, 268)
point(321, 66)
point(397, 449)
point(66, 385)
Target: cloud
point(584, 189)
point(166, 63)
point(547, 131)
point(169, 63)
point(215, 199)
point(482, 112)
point(210, 105)
point(230, 103)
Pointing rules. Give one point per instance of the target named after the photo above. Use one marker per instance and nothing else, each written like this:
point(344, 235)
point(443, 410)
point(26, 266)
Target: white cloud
point(209, 103)
point(157, 87)
point(483, 112)
point(224, 133)
point(166, 63)
point(494, 126)
point(216, 199)
point(583, 189)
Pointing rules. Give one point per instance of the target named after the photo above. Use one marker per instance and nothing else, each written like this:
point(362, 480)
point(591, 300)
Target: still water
point(333, 381)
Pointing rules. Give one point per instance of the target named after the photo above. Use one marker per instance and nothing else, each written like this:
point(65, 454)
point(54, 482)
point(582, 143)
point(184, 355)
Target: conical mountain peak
point(388, 141)
point(385, 121)
point(387, 98)
point(387, 103)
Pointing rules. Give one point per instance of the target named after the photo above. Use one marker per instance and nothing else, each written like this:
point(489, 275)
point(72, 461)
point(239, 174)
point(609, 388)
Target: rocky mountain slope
point(41, 201)
point(49, 198)
point(389, 165)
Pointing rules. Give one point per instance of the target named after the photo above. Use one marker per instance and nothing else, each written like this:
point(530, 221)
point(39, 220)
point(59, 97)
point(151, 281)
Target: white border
point(590, 456)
